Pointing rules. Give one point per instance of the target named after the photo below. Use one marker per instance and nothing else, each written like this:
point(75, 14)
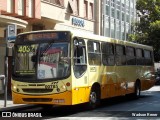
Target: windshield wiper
point(45, 49)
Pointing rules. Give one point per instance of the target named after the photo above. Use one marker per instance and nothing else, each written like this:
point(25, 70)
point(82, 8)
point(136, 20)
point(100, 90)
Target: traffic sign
point(11, 32)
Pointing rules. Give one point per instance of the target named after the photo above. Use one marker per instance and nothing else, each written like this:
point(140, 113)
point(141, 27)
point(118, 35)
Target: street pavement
point(10, 105)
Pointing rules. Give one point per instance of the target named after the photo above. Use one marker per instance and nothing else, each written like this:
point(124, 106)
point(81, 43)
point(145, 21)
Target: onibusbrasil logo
point(15, 114)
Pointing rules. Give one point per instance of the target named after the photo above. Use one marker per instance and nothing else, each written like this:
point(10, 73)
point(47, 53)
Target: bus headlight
point(63, 87)
point(14, 87)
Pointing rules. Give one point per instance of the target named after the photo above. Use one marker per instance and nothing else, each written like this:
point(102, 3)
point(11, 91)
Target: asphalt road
point(146, 107)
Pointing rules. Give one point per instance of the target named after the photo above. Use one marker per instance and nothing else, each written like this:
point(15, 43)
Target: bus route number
point(26, 49)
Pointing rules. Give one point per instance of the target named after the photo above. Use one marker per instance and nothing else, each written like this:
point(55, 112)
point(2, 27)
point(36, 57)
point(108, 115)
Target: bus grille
point(37, 99)
point(37, 90)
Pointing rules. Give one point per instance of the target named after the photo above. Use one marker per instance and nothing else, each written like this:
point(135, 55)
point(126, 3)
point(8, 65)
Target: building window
point(107, 31)
point(127, 18)
point(123, 16)
point(112, 28)
point(117, 29)
point(85, 9)
point(107, 22)
point(73, 7)
point(91, 11)
point(118, 4)
point(20, 7)
point(113, 15)
point(123, 7)
point(107, 2)
point(56, 2)
point(77, 7)
point(118, 14)
point(122, 31)
point(107, 10)
point(127, 30)
point(113, 3)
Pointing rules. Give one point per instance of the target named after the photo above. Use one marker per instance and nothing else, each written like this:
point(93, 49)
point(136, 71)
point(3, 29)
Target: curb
point(13, 108)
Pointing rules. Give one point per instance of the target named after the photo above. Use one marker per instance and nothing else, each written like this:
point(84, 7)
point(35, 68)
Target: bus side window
point(80, 63)
point(148, 57)
point(139, 56)
point(130, 55)
point(120, 55)
point(94, 55)
point(108, 54)
point(79, 55)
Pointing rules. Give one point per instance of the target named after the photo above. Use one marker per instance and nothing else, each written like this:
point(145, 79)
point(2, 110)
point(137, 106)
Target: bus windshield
point(42, 59)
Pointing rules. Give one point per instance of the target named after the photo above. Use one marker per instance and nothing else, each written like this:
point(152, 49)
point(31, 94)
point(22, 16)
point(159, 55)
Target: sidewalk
point(9, 103)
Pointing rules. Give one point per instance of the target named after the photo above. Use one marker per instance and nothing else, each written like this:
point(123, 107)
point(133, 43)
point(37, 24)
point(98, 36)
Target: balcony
point(53, 10)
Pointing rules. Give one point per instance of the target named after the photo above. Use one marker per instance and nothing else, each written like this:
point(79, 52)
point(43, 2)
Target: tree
point(154, 38)
point(147, 30)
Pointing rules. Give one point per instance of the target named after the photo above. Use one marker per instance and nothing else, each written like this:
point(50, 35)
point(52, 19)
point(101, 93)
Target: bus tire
point(94, 97)
point(137, 91)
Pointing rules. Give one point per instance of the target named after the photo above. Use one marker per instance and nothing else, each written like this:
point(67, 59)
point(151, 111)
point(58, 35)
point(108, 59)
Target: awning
point(7, 20)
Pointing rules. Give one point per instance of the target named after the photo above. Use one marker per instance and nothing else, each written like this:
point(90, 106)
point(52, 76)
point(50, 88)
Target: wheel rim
point(93, 97)
point(138, 91)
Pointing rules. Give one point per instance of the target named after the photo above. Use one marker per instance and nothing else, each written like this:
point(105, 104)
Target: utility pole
point(6, 74)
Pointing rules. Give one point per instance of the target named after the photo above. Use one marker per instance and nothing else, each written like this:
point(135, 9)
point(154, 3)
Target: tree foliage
point(147, 30)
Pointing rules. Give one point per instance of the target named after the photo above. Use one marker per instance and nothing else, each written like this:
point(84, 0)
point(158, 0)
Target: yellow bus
point(69, 67)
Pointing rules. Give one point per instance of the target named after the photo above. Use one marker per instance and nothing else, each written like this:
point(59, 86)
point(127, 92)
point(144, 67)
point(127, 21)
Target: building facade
point(31, 15)
point(118, 16)
point(48, 14)
point(68, 15)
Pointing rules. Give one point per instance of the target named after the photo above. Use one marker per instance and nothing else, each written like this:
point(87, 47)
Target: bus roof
point(107, 39)
point(92, 36)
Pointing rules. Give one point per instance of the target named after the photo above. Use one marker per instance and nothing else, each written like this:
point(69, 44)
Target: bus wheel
point(94, 98)
point(137, 90)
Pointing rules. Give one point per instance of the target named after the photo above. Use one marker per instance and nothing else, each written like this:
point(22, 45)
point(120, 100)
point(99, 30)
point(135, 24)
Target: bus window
point(94, 55)
point(120, 55)
point(130, 56)
point(80, 64)
point(139, 56)
point(148, 57)
point(108, 54)
point(53, 60)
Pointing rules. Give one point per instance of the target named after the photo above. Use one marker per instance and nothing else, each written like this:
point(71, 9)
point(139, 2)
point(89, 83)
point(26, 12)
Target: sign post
point(11, 34)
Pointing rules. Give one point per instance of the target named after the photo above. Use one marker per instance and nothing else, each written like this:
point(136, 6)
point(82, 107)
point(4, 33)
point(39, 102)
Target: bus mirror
point(34, 58)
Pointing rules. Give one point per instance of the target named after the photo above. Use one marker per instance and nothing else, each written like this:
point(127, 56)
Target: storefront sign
point(78, 22)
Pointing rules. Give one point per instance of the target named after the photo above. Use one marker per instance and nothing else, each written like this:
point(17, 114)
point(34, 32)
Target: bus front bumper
point(64, 98)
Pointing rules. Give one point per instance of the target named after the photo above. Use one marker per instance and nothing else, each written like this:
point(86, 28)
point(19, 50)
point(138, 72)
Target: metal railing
point(2, 84)
point(3, 88)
